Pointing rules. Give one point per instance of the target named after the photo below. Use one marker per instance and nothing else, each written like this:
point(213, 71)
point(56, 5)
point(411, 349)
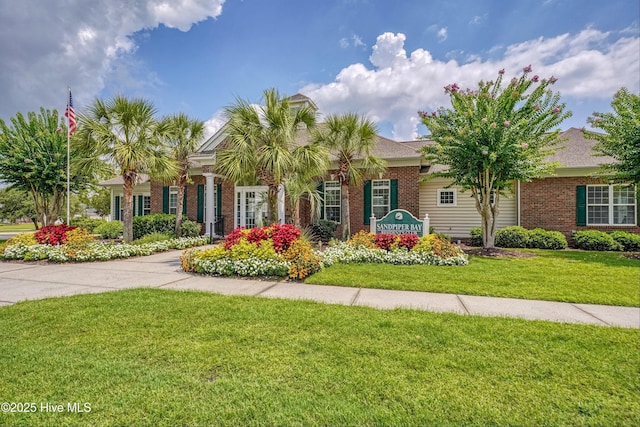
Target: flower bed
point(94, 251)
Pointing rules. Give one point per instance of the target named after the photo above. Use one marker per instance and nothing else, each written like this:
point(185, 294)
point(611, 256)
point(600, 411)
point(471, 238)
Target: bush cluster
point(89, 224)
point(594, 240)
point(154, 223)
point(630, 241)
point(323, 230)
point(109, 229)
point(520, 237)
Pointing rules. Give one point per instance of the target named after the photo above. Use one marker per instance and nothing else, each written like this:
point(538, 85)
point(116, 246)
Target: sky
point(383, 59)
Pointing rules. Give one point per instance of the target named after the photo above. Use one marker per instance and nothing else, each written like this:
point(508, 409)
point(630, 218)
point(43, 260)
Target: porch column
point(210, 202)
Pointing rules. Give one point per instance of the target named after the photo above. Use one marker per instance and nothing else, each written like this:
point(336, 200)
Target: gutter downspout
point(518, 202)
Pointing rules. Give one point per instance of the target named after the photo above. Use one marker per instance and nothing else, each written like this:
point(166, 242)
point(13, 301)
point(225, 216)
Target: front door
point(250, 206)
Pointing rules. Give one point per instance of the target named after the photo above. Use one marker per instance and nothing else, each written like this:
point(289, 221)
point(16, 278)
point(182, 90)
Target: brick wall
point(550, 203)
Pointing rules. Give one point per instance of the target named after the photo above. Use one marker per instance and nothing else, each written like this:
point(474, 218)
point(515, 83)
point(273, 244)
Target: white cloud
point(46, 46)
point(442, 34)
point(214, 124)
point(355, 41)
point(589, 65)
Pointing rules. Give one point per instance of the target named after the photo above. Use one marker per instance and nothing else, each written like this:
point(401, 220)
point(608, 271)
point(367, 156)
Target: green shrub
point(190, 228)
point(109, 229)
point(89, 224)
point(629, 241)
point(476, 236)
point(543, 239)
point(152, 237)
point(594, 240)
point(155, 223)
point(512, 237)
point(323, 230)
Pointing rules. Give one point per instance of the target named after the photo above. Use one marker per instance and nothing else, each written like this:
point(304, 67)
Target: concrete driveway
point(25, 281)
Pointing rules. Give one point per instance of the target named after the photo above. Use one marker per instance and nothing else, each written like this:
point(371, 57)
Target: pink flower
point(535, 78)
point(27, 160)
point(59, 129)
point(484, 120)
point(501, 72)
point(525, 145)
point(507, 123)
point(433, 113)
point(527, 69)
point(552, 80)
point(485, 152)
point(556, 109)
point(424, 115)
point(536, 107)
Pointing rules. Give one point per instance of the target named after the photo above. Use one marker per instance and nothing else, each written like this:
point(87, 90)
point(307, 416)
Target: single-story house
point(575, 197)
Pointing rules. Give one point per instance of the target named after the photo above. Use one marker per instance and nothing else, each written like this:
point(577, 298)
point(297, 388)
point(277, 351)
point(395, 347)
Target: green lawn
point(16, 228)
point(571, 276)
point(158, 357)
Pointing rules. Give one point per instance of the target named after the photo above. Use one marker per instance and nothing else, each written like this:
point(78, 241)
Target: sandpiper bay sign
point(399, 221)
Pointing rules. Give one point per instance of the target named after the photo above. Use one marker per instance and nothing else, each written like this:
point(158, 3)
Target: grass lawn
point(16, 228)
point(570, 276)
point(158, 357)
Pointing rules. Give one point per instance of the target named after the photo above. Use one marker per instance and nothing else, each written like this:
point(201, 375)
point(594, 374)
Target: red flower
point(53, 234)
point(535, 78)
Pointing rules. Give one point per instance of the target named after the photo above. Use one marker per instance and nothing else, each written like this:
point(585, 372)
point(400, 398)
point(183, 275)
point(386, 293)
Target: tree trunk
point(296, 214)
point(345, 215)
point(272, 204)
point(127, 216)
point(182, 181)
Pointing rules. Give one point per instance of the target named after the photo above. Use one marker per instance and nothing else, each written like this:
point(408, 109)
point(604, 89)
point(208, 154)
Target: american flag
point(71, 115)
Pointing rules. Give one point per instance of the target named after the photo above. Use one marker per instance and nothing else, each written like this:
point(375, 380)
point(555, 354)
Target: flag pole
point(68, 159)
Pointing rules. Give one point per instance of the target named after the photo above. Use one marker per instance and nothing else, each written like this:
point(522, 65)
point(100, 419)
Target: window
point(447, 197)
point(611, 205)
point(146, 205)
point(380, 197)
point(332, 201)
point(173, 200)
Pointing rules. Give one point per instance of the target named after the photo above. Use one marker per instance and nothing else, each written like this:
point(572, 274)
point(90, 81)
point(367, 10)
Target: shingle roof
point(576, 151)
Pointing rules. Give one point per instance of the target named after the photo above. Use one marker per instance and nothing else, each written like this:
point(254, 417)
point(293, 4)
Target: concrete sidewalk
point(21, 281)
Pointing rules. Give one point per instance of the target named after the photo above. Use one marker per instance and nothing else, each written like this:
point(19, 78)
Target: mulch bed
point(495, 252)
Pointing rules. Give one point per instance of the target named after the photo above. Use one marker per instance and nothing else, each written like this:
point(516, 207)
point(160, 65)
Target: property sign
point(400, 221)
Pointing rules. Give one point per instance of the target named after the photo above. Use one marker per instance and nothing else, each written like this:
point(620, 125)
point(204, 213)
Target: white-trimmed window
point(611, 205)
point(173, 200)
point(332, 202)
point(146, 205)
point(447, 197)
point(380, 197)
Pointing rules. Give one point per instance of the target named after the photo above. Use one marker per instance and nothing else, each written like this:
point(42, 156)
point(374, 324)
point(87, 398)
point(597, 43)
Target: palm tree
point(351, 139)
point(123, 134)
point(262, 145)
point(183, 137)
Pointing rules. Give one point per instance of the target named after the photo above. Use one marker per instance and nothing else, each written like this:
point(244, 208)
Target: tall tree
point(352, 139)
point(622, 138)
point(16, 204)
point(33, 158)
point(262, 144)
point(123, 134)
point(183, 136)
point(493, 136)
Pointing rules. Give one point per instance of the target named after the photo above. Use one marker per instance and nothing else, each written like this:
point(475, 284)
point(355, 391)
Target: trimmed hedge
point(155, 223)
point(519, 237)
point(89, 224)
point(594, 240)
point(629, 241)
point(109, 229)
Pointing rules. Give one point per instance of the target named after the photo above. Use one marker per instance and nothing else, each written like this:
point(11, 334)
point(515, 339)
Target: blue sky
point(380, 58)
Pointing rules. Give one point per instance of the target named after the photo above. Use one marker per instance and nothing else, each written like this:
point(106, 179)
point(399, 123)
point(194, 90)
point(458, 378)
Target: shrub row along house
point(576, 197)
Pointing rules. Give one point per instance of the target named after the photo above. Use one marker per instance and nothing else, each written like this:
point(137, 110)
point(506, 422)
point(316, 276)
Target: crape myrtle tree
point(622, 138)
point(183, 136)
point(493, 136)
point(33, 159)
point(123, 134)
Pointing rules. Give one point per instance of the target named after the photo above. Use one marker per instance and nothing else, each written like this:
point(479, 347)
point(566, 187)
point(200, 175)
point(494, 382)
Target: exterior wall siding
point(550, 203)
point(457, 221)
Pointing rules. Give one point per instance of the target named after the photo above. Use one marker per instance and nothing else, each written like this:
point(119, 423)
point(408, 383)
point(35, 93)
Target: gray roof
point(575, 151)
